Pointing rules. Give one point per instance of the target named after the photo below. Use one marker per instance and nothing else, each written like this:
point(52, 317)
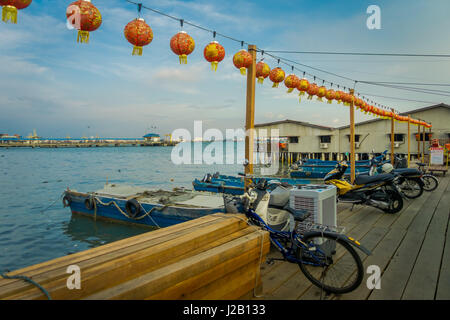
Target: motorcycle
point(409, 180)
point(380, 191)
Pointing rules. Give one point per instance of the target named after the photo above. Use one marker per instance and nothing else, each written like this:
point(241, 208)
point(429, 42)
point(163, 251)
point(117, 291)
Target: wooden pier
point(412, 249)
point(56, 145)
point(213, 257)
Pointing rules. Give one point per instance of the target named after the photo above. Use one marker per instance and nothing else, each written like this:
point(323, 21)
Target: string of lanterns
point(86, 18)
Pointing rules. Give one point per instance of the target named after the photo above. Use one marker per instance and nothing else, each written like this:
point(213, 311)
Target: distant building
point(308, 140)
point(152, 137)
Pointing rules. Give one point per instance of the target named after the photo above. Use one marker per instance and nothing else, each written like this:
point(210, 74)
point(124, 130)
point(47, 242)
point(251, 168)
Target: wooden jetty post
point(392, 138)
point(423, 144)
point(352, 138)
point(409, 139)
point(250, 113)
point(418, 142)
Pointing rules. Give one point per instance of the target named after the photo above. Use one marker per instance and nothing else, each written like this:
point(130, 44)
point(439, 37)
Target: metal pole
point(418, 142)
point(352, 139)
point(250, 112)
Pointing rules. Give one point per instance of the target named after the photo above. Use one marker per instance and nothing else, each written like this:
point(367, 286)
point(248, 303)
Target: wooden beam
point(418, 142)
point(250, 112)
point(352, 138)
point(423, 145)
point(409, 139)
point(392, 139)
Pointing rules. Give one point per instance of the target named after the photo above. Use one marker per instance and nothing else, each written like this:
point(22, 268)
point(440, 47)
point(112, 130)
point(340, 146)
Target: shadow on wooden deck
point(412, 249)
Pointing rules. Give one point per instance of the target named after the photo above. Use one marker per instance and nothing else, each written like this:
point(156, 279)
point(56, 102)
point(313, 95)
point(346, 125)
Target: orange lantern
point(338, 96)
point(10, 7)
point(214, 53)
point(139, 34)
point(346, 98)
point(303, 85)
point(291, 82)
point(276, 76)
point(330, 95)
point(242, 60)
point(84, 17)
point(262, 71)
point(312, 90)
point(321, 92)
point(182, 45)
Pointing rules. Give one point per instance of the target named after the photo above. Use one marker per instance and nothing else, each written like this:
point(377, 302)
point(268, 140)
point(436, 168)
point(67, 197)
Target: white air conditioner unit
point(323, 145)
point(396, 144)
point(357, 145)
point(319, 200)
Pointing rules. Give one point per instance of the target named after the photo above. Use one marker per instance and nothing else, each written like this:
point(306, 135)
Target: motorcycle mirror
point(246, 162)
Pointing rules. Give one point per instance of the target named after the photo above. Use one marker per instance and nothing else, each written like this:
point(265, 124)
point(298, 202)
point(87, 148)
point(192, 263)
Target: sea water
point(34, 226)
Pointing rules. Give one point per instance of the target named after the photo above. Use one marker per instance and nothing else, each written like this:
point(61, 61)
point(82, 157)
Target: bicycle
point(325, 256)
point(430, 181)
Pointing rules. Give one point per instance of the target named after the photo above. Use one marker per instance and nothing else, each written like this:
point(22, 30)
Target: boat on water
point(142, 206)
point(234, 185)
point(318, 169)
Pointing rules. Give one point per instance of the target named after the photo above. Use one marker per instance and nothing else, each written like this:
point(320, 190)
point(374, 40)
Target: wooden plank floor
point(412, 249)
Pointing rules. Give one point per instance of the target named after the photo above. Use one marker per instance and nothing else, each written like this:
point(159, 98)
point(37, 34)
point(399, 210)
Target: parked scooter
point(380, 191)
point(410, 180)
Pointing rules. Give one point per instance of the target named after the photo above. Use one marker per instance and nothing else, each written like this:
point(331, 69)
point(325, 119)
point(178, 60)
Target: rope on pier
point(27, 279)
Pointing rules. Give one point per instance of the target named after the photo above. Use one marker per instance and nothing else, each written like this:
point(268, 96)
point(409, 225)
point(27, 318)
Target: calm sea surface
point(34, 228)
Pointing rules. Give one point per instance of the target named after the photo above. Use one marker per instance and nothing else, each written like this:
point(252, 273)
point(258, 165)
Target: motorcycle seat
point(366, 179)
point(407, 171)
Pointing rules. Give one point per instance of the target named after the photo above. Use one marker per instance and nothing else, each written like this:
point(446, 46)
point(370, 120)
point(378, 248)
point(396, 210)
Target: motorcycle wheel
point(396, 201)
point(431, 183)
point(411, 188)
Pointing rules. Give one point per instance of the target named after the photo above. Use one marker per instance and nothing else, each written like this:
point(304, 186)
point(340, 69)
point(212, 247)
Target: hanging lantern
point(330, 95)
point(291, 82)
point(276, 76)
point(303, 85)
point(321, 92)
point(182, 45)
point(312, 90)
point(358, 102)
point(346, 98)
point(338, 96)
point(242, 60)
point(262, 71)
point(214, 53)
point(10, 7)
point(139, 34)
point(84, 17)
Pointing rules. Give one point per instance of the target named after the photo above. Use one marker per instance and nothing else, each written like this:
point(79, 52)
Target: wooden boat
point(235, 185)
point(137, 205)
point(320, 171)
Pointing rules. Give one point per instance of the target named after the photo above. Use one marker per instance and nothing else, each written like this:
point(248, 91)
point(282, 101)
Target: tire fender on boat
point(67, 200)
point(89, 203)
point(133, 208)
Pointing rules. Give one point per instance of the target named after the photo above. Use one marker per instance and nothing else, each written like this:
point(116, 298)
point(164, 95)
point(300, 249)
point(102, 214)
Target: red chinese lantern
point(338, 96)
point(347, 98)
point(312, 90)
point(262, 71)
point(303, 85)
point(84, 17)
point(214, 53)
point(321, 92)
point(330, 95)
point(291, 82)
point(242, 60)
point(10, 7)
point(276, 76)
point(182, 45)
point(139, 34)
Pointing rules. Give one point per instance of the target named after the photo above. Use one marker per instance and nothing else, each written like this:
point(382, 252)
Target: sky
point(59, 87)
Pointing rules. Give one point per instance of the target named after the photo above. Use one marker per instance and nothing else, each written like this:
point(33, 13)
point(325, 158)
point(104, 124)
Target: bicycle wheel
point(431, 182)
point(330, 264)
point(411, 188)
